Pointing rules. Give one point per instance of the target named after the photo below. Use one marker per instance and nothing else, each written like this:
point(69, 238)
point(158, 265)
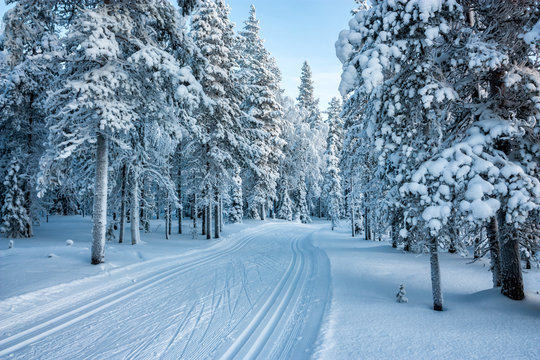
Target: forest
point(132, 111)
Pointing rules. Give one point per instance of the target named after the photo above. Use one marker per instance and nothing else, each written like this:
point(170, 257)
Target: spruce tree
point(14, 211)
point(223, 137)
point(334, 146)
point(260, 79)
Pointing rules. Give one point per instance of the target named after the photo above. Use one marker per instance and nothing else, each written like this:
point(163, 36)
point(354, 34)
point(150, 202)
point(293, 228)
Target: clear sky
point(296, 31)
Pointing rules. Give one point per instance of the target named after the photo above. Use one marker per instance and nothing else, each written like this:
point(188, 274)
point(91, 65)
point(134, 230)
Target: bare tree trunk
point(263, 212)
point(169, 228)
point(494, 249)
point(208, 221)
point(217, 220)
point(511, 275)
point(123, 205)
point(194, 214)
point(203, 231)
point(435, 275)
point(167, 221)
point(100, 200)
point(180, 207)
point(366, 224)
point(220, 213)
point(135, 208)
point(353, 221)
point(395, 228)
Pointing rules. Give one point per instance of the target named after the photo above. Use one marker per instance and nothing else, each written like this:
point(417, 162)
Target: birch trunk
point(100, 201)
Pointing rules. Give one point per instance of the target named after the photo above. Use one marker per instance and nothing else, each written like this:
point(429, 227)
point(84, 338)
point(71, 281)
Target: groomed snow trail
point(259, 294)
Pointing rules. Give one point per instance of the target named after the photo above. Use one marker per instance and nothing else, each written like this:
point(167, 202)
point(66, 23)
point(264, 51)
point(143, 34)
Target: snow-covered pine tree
point(260, 79)
point(388, 56)
point(332, 175)
point(401, 296)
point(223, 137)
point(85, 108)
point(28, 35)
point(488, 174)
point(15, 216)
point(311, 115)
point(288, 170)
point(118, 81)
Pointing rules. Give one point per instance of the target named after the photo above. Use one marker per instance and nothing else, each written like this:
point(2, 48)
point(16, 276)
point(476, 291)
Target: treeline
point(442, 140)
point(134, 109)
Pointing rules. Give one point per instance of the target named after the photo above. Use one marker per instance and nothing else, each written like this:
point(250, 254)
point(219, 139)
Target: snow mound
point(69, 242)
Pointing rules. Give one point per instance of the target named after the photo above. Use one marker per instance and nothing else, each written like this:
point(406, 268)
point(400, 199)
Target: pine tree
point(401, 296)
point(120, 87)
point(309, 109)
point(260, 78)
point(28, 35)
point(223, 138)
point(14, 214)
point(334, 147)
point(395, 70)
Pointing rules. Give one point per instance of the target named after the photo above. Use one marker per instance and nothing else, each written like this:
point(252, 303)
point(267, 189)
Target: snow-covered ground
point(265, 290)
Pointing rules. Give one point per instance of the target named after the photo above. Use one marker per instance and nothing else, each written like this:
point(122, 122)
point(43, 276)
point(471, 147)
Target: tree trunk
point(353, 221)
point(511, 276)
point(263, 212)
point(135, 209)
point(100, 201)
point(435, 275)
point(167, 221)
point(180, 207)
point(220, 214)
point(217, 220)
point(494, 249)
point(208, 221)
point(366, 225)
point(169, 209)
point(28, 206)
point(123, 205)
point(203, 231)
point(395, 229)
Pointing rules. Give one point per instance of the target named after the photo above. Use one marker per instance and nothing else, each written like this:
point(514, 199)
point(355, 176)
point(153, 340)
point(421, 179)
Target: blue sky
point(295, 31)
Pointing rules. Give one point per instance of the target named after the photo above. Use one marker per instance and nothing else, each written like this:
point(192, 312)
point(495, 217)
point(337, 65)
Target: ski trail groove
point(81, 312)
point(266, 319)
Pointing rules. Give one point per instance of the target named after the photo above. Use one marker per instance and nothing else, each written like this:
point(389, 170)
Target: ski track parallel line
point(285, 286)
point(33, 334)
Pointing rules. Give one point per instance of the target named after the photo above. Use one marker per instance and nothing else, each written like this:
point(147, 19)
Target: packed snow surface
point(267, 290)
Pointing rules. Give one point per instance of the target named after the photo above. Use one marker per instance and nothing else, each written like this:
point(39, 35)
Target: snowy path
point(261, 293)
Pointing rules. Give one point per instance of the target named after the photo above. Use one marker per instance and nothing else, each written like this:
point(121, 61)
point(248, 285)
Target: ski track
point(256, 295)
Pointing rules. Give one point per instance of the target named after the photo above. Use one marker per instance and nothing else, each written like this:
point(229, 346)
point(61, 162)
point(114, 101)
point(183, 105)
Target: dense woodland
point(133, 110)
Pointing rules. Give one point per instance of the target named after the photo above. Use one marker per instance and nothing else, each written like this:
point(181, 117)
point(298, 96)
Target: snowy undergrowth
point(365, 321)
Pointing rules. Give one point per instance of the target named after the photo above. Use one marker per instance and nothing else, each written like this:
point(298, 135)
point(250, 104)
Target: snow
point(266, 290)
point(365, 321)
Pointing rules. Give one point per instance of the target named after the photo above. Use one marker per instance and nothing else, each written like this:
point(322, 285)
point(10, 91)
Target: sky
point(296, 31)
